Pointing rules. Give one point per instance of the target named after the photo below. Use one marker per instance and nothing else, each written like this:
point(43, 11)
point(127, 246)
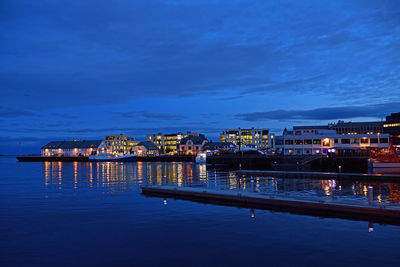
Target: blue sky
point(83, 69)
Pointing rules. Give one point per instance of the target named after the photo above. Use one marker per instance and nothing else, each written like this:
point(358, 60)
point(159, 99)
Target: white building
point(73, 148)
point(317, 141)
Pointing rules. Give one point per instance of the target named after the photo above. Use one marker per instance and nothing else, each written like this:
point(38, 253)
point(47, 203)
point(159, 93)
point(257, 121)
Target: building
point(251, 138)
point(221, 146)
point(117, 144)
point(146, 148)
point(157, 139)
point(73, 148)
point(168, 143)
point(192, 144)
point(341, 127)
point(320, 141)
point(392, 126)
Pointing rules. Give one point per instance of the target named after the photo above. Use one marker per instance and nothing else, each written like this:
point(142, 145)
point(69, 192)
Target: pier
point(372, 212)
point(322, 175)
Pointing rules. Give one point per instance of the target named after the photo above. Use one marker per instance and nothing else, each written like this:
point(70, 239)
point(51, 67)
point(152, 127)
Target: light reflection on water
point(86, 214)
point(115, 177)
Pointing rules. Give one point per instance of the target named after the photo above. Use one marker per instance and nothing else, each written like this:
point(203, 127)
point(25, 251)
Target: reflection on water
point(118, 176)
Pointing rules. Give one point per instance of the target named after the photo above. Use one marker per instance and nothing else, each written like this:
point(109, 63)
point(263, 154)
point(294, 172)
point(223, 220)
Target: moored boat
point(107, 157)
point(201, 157)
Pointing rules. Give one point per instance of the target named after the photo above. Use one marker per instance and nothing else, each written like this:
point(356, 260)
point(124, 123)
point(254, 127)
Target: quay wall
point(290, 163)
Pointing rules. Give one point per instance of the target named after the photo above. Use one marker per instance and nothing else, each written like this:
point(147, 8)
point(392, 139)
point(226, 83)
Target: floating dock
point(322, 175)
point(373, 213)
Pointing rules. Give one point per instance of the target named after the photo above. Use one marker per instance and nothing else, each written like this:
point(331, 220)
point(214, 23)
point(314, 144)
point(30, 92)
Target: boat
point(201, 157)
point(108, 157)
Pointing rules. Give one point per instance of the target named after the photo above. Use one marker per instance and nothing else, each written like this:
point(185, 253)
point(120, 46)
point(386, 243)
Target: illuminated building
point(73, 148)
point(341, 127)
point(192, 144)
point(168, 143)
point(117, 144)
point(392, 127)
point(146, 148)
point(317, 141)
point(252, 138)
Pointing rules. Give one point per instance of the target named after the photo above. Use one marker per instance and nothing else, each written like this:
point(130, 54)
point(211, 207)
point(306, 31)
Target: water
point(64, 214)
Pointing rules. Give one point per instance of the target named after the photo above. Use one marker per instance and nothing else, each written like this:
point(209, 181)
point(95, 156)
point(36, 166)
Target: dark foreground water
point(77, 214)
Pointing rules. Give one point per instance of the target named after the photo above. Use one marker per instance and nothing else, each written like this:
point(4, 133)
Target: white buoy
point(370, 227)
point(165, 201)
point(252, 213)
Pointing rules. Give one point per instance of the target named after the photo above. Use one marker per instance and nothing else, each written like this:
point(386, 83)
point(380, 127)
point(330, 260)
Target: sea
point(94, 214)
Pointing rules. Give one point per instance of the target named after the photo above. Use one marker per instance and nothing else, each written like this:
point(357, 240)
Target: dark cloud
point(333, 113)
point(92, 52)
point(138, 115)
point(7, 112)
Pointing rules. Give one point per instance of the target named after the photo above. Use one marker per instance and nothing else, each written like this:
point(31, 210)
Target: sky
point(84, 69)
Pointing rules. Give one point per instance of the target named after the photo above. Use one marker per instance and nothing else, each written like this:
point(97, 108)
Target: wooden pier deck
point(348, 210)
point(323, 175)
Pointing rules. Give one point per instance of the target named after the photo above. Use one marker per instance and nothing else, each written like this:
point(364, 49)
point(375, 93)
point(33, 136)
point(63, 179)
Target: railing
point(311, 158)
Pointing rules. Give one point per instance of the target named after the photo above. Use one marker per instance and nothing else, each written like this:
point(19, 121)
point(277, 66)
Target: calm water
point(94, 214)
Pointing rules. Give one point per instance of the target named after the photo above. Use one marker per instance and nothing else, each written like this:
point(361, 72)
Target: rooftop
point(198, 139)
point(73, 144)
point(148, 145)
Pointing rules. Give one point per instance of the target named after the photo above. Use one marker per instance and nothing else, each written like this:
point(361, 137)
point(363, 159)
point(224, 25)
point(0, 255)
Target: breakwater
point(291, 163)
point(39, 158)
point(162, 158)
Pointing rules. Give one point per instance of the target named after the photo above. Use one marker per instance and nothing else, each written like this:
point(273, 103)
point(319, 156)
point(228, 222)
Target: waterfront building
point(117, 144)
point(146, 148)
point(192, 144)
point(321, 141)
point(168, 143)
point(251, 138)
point(341, 127)
point(73, 148)
point(392, 127)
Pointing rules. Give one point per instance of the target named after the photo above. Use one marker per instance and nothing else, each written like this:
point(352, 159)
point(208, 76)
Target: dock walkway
point(375, 212)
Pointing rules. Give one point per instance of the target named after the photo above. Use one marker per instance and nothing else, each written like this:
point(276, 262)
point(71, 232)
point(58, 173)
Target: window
point(326, 142)
point(298, 142)
point(373, 140)
point(364, 141)
point(317, 141)
point(355, 141)
point(197, 147)
point(345, 141)
point(189, 147)
point(336, 141)
point(279, 142)
point(384, 140)
point(308, 142)
point(288, 142)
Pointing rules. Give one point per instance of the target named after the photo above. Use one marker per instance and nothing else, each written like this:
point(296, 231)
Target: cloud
point(140, 115)
point(6, 112)
point(332, 113)
point(61, 54)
